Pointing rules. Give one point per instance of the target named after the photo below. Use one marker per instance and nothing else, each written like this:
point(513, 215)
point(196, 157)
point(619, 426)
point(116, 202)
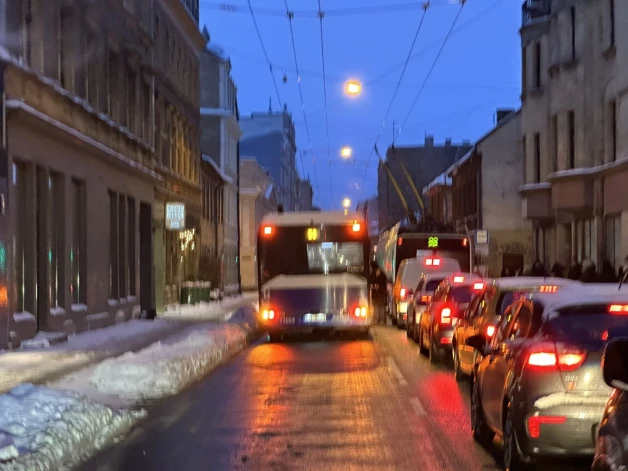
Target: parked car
point(539, 383)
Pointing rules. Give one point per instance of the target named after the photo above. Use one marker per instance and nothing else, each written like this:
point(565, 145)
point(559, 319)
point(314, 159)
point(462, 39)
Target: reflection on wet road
point(335, 405)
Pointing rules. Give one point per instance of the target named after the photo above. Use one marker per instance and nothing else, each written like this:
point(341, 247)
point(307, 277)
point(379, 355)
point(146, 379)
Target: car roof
point(523, 282)
point(583, 296)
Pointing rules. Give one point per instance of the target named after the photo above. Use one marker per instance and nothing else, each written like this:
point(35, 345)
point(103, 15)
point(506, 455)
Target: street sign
point(175, 216)
point(481, 238)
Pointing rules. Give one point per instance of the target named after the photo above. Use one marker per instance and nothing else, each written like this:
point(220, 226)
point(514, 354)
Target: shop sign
point(175, 216)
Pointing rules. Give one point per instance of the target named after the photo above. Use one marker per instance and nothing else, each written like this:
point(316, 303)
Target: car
point(420, 299)
point(410, 272)
point(486, 309)
point(539, 382)
point(437, 321)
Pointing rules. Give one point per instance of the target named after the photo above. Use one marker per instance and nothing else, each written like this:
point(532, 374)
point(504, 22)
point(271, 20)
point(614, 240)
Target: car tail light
point(618, 308)
point(360, 311)
point(400, 241)
point(402, 293)
point(458, 279)
point(267, 230)
point(445, 315)
point(268, 314)
point(426, 298)
point(478, 286)
point(548, 289)
point(550, 357)
point(432, 262)
point(535, 422)
point(490, 331)
point(356, 227)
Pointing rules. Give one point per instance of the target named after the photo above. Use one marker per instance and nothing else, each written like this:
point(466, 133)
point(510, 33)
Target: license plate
point(313, 318)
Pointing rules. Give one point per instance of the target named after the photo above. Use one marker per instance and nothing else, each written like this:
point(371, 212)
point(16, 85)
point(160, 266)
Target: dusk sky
point(478, 71)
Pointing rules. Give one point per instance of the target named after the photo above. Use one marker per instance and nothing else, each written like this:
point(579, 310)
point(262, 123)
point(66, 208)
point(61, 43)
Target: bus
point(402, 242)
point(313, 271)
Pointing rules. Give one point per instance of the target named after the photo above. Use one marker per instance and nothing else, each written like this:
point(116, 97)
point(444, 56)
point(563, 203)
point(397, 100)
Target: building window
point(554, 143)
point(123, 258)
point(572, 12)
point(114, 270)
point(537, 65)
point(571, 119)
point(611, 10)
point(131, 262)
point(612, 241)
point(23, 238)
point(613, 129)
point(56, 239)
point(78, 261)
point(537, 157)
point(113, 78)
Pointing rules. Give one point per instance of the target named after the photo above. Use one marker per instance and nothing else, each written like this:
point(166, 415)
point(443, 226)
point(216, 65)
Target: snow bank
point(163, 370)
point(215, 310)
point(42, 429)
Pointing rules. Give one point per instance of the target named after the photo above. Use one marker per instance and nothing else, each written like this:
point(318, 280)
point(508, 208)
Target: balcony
point(533, 10)
point(192, 7)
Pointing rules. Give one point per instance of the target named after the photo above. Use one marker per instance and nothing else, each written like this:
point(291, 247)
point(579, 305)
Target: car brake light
point(268, 314)
point(549, 357)
point(267, 230)
point(458, 279)
point(426, 298)
point(490, 331)
point(402, 293)
point(548, 289)
point(360, 311)
point(356, 227)
point(478, 286)
point(618, 309)
point(445, 316)
point(400, 241)
point(535, 422)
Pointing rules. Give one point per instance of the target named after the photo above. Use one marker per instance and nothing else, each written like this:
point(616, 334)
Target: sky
point(455, 94)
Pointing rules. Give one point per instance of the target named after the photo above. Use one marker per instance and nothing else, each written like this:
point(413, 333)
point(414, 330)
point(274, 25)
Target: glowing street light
point(346, 151)
point(353, 87)
point(346, 203)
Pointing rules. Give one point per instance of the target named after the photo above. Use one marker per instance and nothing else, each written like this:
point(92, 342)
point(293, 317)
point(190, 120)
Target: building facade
point(574, 122)
point(219, 142)
point(485, 196)
point(306, 195)
point(257, 198)
point(77, 166)
point(438, 199)
point(270, 139)
point(423, 163)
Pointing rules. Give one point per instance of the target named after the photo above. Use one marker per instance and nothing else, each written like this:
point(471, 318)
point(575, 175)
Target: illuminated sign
point(175, 216)
point(312, 234)
point(432, 242)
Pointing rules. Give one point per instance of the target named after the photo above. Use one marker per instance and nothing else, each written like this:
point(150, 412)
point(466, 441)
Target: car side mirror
point(615, 365)
point(478, 342)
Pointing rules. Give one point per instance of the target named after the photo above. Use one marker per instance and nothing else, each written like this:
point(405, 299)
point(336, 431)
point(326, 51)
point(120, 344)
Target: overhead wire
point(296, 66)
point(261, 41)
point(321, 16)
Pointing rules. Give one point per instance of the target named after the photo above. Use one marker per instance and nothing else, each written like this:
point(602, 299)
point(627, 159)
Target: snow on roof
point(305, 218)
point(575, 172)
point(459, 162)
point(441, 180)
point(226, 178)
point(535, 186)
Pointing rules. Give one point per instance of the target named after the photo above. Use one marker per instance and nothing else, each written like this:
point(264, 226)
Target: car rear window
point(506, 298)
point(431, 285)
point(592, 326)
point(462, 294)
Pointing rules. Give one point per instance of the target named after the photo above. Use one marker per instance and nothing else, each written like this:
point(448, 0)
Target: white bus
point(313, 270)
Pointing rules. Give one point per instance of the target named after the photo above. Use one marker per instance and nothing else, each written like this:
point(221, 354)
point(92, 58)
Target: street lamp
point(346, 151)
point(353, 87)
point(346, 203)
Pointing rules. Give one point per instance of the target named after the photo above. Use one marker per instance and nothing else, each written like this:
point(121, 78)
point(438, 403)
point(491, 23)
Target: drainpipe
point(238, 216)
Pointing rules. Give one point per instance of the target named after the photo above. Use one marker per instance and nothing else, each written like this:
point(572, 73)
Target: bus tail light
point(360, 311)
point(432, 262)
point(267, 230)
point(268, 314)
point(356, 227)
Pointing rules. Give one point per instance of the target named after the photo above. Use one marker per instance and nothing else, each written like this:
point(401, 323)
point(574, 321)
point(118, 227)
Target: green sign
point(432, 242)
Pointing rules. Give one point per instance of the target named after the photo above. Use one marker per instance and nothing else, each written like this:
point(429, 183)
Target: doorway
point(147, 295)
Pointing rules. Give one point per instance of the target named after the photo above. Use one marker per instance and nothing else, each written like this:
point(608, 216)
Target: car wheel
point(456, 358)
point(512, 458)
point(420, 341)
point(481, 432)
point(408, 326)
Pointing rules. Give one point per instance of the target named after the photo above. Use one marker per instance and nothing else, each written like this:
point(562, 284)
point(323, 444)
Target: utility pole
point(393, 142)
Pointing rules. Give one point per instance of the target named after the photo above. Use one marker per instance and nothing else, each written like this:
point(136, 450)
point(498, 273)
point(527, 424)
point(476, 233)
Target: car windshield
point(592, 326)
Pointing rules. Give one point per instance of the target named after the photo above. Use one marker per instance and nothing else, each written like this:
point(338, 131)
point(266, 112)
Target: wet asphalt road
point(372, 405)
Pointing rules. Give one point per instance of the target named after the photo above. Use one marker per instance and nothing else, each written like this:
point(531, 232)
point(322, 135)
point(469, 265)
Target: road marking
point(417, 406)
point(395, 371)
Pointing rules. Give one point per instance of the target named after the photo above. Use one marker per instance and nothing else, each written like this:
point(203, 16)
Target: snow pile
point(43, 429)
point(215, 310)
point(163, 370)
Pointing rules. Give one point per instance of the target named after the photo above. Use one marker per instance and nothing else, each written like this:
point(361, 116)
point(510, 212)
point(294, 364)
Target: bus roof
point(305, 218)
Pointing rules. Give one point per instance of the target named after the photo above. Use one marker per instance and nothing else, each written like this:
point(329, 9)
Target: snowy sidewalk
point(41, 428)
point(87, 348)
